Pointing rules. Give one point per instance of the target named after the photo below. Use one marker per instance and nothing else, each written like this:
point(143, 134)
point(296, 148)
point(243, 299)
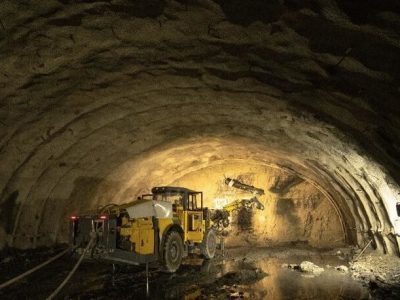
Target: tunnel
point(100, 101)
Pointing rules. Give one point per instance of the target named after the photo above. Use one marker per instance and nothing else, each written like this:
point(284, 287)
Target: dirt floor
point(243, 273)
point(381, 273)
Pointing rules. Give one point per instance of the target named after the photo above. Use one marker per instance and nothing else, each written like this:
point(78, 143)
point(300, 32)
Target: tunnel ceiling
point(100, 100)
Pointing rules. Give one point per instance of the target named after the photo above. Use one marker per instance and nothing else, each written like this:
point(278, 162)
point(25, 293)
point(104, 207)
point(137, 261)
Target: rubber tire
point(173, 252)
point(209, 244)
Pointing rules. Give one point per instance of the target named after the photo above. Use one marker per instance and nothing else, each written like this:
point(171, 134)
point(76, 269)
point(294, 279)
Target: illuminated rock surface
point(101, 100)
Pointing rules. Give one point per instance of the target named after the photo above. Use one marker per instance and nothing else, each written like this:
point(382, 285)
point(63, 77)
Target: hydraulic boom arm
point(246, 203)
point(220, 217)
point(245, 187)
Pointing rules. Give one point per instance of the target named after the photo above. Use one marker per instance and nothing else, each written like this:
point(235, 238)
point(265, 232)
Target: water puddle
point(262, 278)
point(239, 276)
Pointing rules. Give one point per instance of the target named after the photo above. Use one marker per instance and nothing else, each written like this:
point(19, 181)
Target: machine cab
point(187, 210)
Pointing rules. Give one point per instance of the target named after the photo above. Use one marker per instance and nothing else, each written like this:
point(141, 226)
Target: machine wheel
point(209, 244)
point(173, 251)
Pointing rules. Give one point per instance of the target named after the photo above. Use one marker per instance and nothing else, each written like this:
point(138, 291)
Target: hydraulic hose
point(19, 277)
point(59, 288)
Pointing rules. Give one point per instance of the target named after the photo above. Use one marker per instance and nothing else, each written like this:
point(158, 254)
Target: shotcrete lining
point(89, 111)
point(280, 133)
point(161, 123)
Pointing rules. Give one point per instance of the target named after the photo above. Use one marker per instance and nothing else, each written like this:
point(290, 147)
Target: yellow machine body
point(140, 233)
point(192, 224)
point(163, 226)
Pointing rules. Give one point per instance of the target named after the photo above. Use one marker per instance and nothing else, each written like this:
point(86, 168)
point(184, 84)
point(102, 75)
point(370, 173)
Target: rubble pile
point(381, 273)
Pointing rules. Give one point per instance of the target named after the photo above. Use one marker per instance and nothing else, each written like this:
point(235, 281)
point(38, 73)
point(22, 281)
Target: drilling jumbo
point(164, 226)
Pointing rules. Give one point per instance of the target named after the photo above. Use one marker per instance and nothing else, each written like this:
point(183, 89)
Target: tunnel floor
point(243, 273)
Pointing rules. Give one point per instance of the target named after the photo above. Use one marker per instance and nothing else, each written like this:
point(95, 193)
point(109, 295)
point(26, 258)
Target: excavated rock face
point(100, 100)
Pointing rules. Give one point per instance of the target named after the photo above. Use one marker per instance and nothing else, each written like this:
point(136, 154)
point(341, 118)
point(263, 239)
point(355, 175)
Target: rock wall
point(295, 212)
point(100, 100)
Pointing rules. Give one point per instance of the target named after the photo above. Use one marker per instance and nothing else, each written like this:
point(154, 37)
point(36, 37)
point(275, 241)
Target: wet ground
point(243, 273)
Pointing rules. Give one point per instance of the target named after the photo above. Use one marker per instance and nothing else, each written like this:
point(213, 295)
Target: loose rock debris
point(244, 273)
point(305, 267)
point(380, 273)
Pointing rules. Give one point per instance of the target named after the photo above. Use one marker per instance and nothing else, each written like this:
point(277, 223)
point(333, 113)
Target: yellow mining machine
point(163, 226)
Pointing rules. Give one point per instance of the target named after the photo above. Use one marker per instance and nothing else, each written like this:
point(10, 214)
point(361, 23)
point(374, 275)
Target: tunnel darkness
point(102, 100)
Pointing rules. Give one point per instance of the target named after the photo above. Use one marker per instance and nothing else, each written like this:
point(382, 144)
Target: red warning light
point(103, 217)
point(73, 217)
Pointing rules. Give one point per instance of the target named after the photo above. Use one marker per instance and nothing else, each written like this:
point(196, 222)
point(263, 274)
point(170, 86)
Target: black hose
point(59, 288)
point(19, 277)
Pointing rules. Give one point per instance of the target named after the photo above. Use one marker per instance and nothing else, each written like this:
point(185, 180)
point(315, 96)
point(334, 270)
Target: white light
point(220, 203)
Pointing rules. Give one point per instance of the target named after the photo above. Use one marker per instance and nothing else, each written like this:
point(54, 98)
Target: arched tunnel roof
point(102, 100)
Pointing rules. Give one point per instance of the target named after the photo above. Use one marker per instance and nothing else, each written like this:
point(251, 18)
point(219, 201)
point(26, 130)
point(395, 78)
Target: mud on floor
point(244, 273)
